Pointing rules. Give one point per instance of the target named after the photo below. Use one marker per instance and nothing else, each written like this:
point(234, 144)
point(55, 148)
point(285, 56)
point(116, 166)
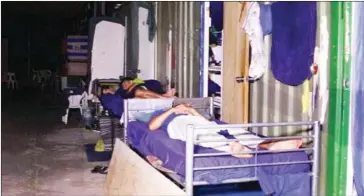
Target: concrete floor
point(40, 155)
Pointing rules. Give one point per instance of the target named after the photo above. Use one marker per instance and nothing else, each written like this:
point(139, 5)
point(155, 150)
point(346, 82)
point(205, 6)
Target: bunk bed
point(107, 113)
point(278, 172)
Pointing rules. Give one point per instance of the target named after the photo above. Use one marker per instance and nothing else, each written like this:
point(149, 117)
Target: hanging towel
point(252, 27)
point(293, 41)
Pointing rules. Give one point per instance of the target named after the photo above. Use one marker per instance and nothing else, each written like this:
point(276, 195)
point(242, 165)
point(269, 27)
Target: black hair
point(126, 79)
point(105, 87)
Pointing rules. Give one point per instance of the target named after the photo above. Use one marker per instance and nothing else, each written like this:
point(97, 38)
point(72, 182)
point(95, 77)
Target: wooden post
point(235, 108)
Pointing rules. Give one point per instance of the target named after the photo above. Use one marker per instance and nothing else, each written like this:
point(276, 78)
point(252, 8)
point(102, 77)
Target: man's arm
point(141, 93)
point(157, 121)
point(193, 112)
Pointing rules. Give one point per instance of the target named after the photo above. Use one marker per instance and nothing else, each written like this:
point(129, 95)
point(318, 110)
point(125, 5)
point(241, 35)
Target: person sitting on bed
point(133, 90)
point(176, 120)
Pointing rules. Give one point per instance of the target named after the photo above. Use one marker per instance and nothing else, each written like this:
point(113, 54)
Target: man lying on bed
point(176, 120)
point(134, 90)
point(114, 102)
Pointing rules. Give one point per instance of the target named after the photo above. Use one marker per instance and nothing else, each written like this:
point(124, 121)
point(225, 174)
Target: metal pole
point(29, 54)
point(179, 51)
point(185, 37)
point(126, 119)
point(316, 159)
point(191, 50)
point(275, 124)
point(95, 8)
point(126, 47)
point(206, 30)
point(189, 160)
point(212, 107)
point(103, 8)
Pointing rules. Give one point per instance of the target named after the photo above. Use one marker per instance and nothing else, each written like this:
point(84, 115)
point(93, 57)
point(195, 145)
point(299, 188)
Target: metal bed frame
point(190, 155)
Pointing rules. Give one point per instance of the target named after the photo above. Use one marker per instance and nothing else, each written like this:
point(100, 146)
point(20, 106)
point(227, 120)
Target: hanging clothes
point(253, 28)
point(217, 14)
point(217, 17)
point(151, 21)
point(293, 41)
point(265, 18)
point(358, 91)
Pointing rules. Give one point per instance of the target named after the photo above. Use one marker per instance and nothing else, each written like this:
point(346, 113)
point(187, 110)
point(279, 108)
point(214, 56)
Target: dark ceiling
point(61, 9)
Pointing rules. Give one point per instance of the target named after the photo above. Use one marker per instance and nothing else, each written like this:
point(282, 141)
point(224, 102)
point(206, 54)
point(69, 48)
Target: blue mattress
point(273, 179)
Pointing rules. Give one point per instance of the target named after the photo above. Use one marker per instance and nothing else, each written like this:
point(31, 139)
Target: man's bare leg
point(236, 147)
point(290, 144)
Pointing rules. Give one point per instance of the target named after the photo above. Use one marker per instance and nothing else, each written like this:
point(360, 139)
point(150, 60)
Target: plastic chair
point(45, 74)
point(75, 102)
point(41, 77)
point(11, 81)
point(36, 77)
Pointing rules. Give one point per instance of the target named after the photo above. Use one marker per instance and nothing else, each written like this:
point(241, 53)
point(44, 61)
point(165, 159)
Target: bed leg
point(189, 160)
point(316, 159)
point(126, 120)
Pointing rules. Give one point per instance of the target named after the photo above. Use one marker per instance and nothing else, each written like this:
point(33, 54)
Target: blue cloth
point(213, 87)
point(265, 18)
point(113, 103)
point(358, 90)
point(217, 14)
point(293, 41)
point(121, 92)
point(154, 85)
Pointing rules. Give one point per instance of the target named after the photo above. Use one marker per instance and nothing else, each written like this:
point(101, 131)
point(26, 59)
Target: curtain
point(358, 99)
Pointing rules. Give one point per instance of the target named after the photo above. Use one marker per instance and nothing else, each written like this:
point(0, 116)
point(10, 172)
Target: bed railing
point(191, 141)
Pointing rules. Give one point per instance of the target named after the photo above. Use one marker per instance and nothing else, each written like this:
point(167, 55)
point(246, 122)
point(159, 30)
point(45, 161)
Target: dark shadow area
point(40, 154)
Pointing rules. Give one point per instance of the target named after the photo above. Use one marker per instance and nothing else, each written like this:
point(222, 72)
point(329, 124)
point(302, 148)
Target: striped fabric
point(107, 125)
point(77, 47)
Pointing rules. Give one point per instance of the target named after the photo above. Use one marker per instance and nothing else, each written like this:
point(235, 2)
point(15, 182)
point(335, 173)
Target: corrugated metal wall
point(178, 65)
point(272, 101)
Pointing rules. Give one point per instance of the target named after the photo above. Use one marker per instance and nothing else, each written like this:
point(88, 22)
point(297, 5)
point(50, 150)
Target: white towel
point(253, 28)
point(177, 129)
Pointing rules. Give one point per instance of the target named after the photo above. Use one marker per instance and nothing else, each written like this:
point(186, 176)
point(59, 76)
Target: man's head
point(126, 82)
point(107, 90)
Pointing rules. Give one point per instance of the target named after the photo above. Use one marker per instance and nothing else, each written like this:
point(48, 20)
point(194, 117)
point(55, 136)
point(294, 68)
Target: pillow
point(144, 117)
point(206, 115)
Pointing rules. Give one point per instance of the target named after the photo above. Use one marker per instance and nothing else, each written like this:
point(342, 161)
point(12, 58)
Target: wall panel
point(178, 39)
